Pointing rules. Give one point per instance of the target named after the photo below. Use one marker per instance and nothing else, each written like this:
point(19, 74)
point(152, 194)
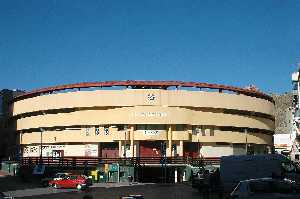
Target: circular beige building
point(143, 119)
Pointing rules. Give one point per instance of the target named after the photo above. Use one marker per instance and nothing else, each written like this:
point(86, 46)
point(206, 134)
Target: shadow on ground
point(11, 183)
point(156, 191)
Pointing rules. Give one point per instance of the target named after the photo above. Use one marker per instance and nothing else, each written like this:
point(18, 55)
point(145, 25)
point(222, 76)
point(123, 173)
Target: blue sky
point(232, 42)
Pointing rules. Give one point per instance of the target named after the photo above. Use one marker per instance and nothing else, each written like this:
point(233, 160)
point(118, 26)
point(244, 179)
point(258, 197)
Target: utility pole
point(41, 145)
point(246, 134)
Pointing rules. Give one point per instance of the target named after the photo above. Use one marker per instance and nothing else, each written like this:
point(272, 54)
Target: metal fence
point(94, 161)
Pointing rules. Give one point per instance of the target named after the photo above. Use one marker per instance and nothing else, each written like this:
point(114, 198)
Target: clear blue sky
point(47, 43)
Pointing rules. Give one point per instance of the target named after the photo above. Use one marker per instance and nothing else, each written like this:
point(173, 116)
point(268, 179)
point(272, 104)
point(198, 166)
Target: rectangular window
point(211, 131)
point(180, 127)
point(203, 131)
point(106, 130)
point(87, 131)
point(141, 127)
point(97, 130)
point(121, 127)
point(196, 129)
point(151, 127)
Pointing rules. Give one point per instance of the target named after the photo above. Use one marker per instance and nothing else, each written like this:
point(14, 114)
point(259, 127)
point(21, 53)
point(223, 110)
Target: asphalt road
point(150, 191)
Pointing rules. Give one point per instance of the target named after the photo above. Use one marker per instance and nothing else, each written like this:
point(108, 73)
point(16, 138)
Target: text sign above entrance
point(151, 132)
point(150, 114)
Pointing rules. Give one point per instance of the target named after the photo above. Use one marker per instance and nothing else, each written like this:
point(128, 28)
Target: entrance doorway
point(191, 149)
point(152, 148)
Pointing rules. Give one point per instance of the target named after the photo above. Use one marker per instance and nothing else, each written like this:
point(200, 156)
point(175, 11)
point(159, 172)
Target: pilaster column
point(120, 149)
point(180, 148)
point(169, 151)
point(132, 141)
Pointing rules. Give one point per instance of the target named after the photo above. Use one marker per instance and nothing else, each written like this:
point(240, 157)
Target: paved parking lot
point(49, 190)
point(115, 191)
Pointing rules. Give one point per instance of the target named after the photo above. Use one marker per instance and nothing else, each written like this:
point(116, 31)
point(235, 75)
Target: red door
point(109, 150)
point(150, 149)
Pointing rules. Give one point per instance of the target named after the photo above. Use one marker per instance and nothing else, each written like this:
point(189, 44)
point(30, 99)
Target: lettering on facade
point(151, 132)
point(150, 114)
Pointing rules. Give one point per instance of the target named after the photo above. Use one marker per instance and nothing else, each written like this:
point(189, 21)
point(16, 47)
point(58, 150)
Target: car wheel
point(55, 186)
point(79, 187)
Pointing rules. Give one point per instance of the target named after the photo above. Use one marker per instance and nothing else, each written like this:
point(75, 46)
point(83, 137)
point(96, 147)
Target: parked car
point(235, 168)
point(71, 181)
point(57, 176)
point(265, 188)
point(3, 196)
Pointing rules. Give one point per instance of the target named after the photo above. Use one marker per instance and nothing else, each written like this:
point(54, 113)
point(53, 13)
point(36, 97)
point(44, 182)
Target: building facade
point(8, 145)
point(143, 119)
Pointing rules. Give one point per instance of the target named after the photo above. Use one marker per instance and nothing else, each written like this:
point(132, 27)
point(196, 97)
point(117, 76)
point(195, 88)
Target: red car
point(70, 181)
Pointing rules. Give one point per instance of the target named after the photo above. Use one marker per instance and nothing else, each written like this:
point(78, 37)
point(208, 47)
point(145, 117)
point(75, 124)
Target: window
point(151, 127)
point(141, 127)
point(121, 127)
point(260, 186)
point(196, 129)
point(203, 131)
point(87, 131)
point(106, 130)
point(73, 177)
point(97, 130)
point(211, 131)
point(180, 127)
point(281, 187)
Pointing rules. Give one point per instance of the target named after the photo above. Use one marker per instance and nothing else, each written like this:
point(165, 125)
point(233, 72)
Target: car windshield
point(73, 177)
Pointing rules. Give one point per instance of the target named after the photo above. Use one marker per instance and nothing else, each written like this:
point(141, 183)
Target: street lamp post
point(246, 134)
point(41, 145)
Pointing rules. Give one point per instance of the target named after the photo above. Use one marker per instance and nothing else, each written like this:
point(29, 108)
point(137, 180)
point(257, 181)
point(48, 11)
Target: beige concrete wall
point(136, 97)
point(139, 115)
point(134, 107)
point(68, 136)
point(235, 137)
point(181, 135)
point(79, 136)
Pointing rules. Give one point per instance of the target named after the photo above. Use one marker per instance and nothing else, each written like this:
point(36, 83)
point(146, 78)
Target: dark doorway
point(155, 174)
point(191, 149)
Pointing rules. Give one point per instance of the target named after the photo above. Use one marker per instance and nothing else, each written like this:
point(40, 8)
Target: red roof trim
point(162, 84)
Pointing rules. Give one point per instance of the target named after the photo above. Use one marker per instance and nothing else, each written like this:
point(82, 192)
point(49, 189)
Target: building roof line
point(142, 84)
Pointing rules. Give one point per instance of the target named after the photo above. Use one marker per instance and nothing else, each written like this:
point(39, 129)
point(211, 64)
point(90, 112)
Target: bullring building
point(137, 118)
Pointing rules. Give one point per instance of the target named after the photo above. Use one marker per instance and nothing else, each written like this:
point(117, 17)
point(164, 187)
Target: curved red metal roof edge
point(163, 84)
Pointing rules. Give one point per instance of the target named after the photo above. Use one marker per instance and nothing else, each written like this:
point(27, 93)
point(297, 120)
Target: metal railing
point(94, 161)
